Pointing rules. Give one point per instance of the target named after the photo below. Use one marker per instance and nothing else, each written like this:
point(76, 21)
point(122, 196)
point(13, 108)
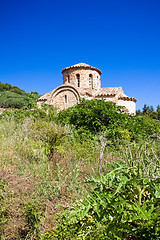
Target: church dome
point(82, 65)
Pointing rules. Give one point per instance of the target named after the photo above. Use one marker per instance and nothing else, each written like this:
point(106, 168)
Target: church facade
point(84, 81)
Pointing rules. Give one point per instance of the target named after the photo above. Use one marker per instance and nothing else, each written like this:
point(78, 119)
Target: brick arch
point(64, 97)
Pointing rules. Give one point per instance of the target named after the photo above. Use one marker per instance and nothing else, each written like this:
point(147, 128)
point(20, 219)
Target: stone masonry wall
point(84, 78)
point(65, 99)
point(107, 99)
point(130, 105)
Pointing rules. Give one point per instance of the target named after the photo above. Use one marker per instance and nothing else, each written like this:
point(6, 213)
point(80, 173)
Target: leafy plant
point(49, 133)
point(9, 99)
point(96, 116)
point(14, 97)
point(31, 100)
point(3, 210)
point(33, 213)
point(124, 203)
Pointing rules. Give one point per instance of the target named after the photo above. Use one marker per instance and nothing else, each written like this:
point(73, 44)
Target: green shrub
point(14, 97)
point(49, 133)
point(96, 116)
point(124, 203)
point(33, 213)
point(93, 115)
point(10, 99)
point(8, 87)
point(3, 210)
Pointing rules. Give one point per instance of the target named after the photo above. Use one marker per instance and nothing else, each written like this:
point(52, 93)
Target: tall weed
point(124, 203)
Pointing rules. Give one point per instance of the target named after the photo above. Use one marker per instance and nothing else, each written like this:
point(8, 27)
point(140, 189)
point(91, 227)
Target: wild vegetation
point(149, 111)
point(88, 172)
point(14, 97)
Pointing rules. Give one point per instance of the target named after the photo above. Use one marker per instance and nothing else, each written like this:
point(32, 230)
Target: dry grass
point(29, 175)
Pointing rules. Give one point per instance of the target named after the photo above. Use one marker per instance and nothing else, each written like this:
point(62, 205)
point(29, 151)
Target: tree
point(32, 98)
point(158, 112)
point(139, 113)
point(147, 109)
point(93, 115)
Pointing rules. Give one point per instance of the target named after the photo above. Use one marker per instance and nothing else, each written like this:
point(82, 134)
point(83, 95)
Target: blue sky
point(39, 38)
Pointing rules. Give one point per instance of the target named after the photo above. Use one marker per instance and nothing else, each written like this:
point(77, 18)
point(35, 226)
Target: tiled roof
point(102, 92)
point(82, 65)
point(110, 91)
point(125, 97)
point(44, 97)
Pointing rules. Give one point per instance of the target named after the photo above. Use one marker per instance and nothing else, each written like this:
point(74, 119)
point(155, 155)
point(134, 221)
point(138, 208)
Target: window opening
point(68, 79)
point(90, 80)
point(65, 98)
point(78, 80)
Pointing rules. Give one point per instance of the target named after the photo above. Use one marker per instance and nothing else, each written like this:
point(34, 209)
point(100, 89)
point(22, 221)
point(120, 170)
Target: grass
point(36, 187)
point(30, 175)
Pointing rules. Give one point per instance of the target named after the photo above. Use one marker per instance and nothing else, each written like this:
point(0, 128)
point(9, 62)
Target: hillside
point(87, 172)
point(14, 97)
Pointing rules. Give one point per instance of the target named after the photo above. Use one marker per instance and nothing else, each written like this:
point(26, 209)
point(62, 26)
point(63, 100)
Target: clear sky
point(38, 38)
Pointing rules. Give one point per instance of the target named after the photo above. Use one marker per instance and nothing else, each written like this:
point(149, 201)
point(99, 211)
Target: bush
point(8, 87)
point(124, 203)
point(14, 97)
point(33, 213)
point(3, 208)
point(49, 133)
point(95, 116)
point(12, 100)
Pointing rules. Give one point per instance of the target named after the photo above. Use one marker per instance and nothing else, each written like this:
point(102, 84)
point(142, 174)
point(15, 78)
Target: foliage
point(14, 97)
point(82, 147)
point(92, 115)
point(47, 113)
point(8, 87)
point(3, 209)
point(33, 213)
point(40, 157)
point(10, 99)
point(95, 116)
point(124, 203)
point(49, 133)
point(31, 100)
point(149, 111)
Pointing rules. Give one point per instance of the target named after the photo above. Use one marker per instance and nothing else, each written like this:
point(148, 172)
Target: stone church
point(84, 81)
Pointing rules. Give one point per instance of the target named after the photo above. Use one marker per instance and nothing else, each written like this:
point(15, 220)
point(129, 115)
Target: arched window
point(90, 80)
point(78, 80)
point(65, 98)
point(68, 79)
